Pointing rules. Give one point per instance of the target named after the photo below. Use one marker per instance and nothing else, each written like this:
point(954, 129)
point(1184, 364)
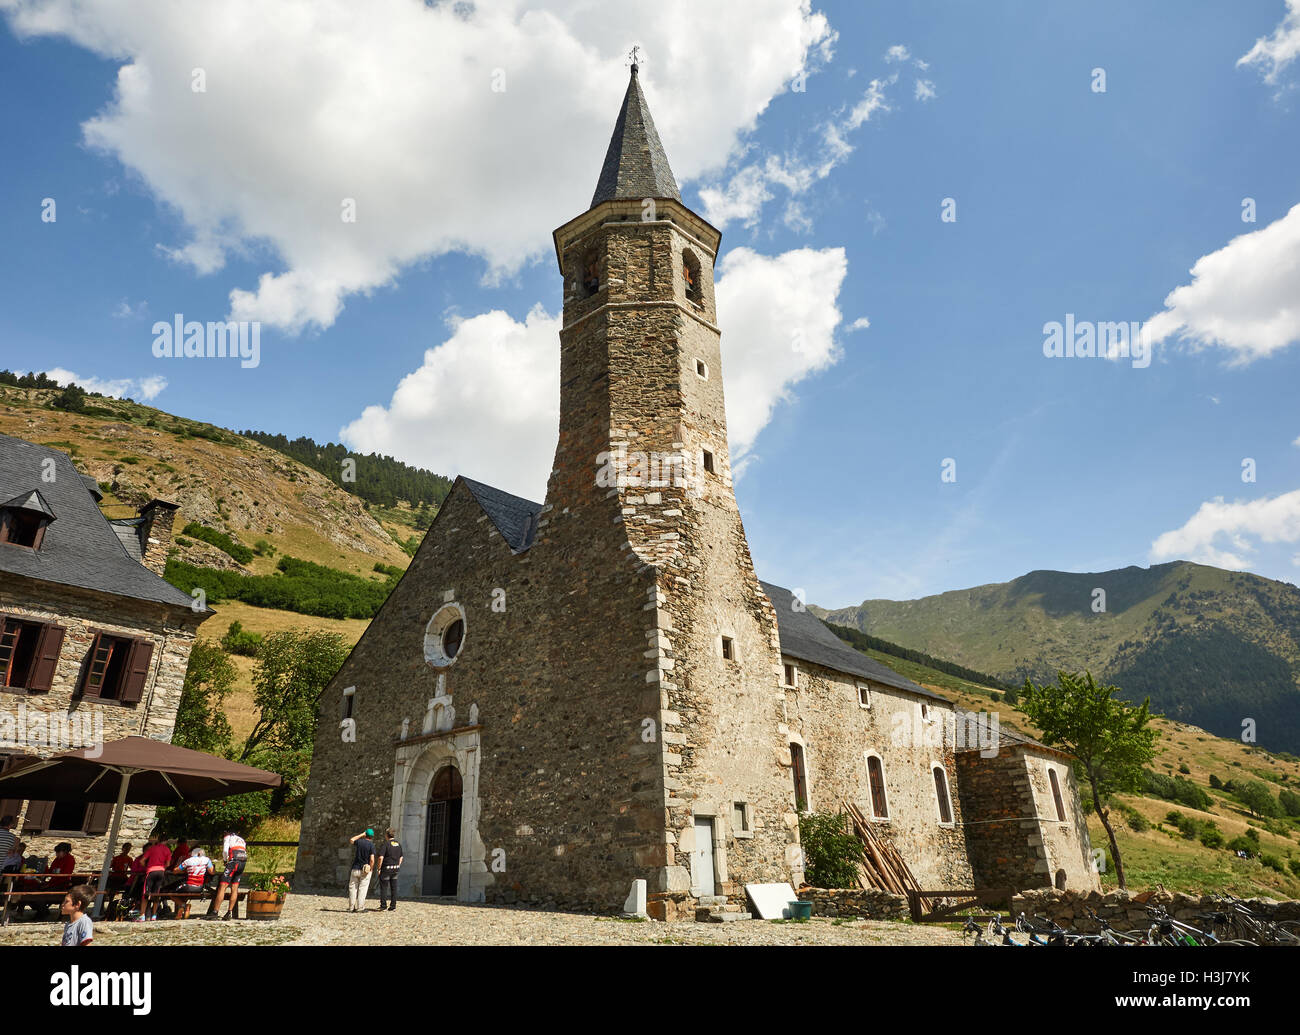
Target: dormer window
point(23, 520)
point(691, 278)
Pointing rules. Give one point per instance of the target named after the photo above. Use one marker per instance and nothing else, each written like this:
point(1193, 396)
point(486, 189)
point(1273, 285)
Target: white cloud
point(778, 316)
point(924, 90)
point(1296, 443)
point(124, 310)
point(390, 103)
point(742, 199)
point(1245, 297)
point(1275, 52)
point(898, 52)
point(860, 324)
point(1223, 534)
point(485, 401)
point(139, 388)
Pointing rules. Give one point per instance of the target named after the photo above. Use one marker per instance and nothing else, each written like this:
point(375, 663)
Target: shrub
point(1290, 802)
point(1294, 866)
point(1216, 783)
point(1212, 838)
point(263, 548)
point(1243, 844)
point(1182, 768)
point(236, 641)
point(1272, 862)
point(830, 852)
point(1136, 821)
point(220, 540)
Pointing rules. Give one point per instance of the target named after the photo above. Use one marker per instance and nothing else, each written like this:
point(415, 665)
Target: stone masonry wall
point(837, 733)
point(1014, 837)
point(862, 903)
point(82, 613)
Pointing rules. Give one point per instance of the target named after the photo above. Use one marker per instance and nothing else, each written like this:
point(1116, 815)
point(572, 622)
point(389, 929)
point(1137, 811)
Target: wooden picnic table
point(55, 886)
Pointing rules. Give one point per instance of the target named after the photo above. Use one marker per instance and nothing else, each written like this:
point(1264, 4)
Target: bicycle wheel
point(1288, 932)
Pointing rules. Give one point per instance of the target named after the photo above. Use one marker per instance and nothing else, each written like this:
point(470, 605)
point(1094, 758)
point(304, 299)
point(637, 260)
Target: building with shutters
point(93, 643)
point(560, 698)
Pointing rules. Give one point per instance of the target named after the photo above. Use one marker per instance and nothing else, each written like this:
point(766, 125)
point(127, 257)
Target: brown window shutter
point(88, 686)
point(47, 658)
point(38, 815)
point(137, 671)
point(11, 807)
point(98, 816)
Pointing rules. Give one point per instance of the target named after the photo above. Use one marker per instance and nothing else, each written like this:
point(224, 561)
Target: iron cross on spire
point(632, 56)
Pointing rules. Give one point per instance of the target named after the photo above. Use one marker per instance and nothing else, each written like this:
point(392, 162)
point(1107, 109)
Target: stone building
point(93, 643)
point(560, 698)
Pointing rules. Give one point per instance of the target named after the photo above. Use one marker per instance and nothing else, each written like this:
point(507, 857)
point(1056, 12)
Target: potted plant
point(266, 895)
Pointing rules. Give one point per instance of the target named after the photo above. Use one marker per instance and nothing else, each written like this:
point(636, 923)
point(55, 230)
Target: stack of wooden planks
point(881, 867)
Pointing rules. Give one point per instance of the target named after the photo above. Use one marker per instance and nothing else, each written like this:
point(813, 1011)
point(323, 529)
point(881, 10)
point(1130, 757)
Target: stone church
point(560, 698)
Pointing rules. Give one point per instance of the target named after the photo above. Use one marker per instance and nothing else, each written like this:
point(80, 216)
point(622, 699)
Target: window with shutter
point(21, 649)
point(117, 668)
point(97, 817)
point(38, 815)
point(47, 658)
point(136, 671)
point(876, 776)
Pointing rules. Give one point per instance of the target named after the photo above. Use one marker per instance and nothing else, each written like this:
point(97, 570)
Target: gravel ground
point(325, 920)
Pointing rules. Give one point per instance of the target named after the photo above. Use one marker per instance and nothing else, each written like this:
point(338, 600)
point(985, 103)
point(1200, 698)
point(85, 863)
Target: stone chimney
point(155, 530)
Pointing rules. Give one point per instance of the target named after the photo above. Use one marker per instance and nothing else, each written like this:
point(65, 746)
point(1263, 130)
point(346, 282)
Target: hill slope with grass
point(1208, 646)
point(232, 486)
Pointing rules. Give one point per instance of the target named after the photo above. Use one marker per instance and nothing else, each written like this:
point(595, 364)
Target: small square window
point(707, 461)
point(728, 648)
point(702, 369)
point(864, 695)
point(740, 818)
point(791, 674)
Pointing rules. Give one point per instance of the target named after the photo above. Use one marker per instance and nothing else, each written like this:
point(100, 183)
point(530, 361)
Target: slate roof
point(80, 548)
point(805, 636)
point(514, 516)
point(635, 164)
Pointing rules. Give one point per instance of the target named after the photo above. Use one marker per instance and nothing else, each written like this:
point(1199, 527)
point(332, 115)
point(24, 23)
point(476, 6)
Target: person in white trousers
point(363, 865)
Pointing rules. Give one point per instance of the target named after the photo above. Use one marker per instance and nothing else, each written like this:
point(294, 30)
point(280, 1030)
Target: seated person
point(181, 852)
point(197, 868)
point(119, 868)
point(64, 862)
point(13, 862)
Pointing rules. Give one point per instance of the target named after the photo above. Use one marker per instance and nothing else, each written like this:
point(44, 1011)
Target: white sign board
point(771, 901)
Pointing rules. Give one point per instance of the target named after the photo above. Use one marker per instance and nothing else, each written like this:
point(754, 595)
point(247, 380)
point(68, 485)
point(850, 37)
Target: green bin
point(800, 910)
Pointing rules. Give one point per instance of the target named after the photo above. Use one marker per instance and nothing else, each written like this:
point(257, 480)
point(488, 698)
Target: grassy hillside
point(1208, 646)
point(220, 479)
point(1160, 853)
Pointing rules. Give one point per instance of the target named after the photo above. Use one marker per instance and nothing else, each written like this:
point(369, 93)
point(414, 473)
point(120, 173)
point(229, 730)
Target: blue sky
point(1068, 200)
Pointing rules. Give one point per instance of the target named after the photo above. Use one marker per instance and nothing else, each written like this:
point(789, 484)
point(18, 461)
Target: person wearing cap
point(363, 863)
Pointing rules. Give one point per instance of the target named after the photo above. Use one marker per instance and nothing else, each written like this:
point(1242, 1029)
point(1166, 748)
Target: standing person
point(390, 862)
point(78, 928)
point(156, 857)
point(363, 861)
point(234, 852)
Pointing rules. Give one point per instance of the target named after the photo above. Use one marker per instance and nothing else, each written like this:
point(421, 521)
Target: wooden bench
point(188, 897)
point(45, 896)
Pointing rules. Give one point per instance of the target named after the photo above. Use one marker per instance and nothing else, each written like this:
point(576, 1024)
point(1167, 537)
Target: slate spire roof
point(635, 164)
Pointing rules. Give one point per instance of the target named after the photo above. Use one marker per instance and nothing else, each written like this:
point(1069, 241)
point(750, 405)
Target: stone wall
point(1126, 910)
point(1013, 835)
point(824, 713)
point(864, 904)
point(82, 613)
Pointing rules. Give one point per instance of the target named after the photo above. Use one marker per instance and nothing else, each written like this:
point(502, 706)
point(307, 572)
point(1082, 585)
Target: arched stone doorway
point(441, 861)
